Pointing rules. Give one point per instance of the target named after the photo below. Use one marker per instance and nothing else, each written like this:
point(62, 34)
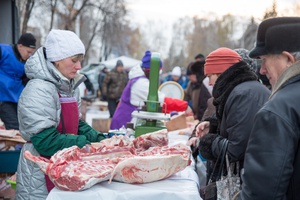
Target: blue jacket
point(182, 81)
point(11, 72)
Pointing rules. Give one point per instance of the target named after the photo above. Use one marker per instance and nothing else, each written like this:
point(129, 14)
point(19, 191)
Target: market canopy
point(127, 62)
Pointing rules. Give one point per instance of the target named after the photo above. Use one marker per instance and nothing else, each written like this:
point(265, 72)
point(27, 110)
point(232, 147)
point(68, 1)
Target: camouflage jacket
point(114, 84)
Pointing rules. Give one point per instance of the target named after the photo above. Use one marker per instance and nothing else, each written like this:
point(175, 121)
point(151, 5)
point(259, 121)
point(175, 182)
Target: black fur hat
point(188, 69)
point(275, 35)
point(200, 57)
point(197, 67)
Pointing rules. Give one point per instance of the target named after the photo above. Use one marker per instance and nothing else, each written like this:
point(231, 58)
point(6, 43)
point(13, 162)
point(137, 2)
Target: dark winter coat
point(237, 97)
point(272, 161)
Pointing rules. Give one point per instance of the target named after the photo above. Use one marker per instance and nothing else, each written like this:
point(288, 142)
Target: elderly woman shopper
point(238, 95)
point(48, 111)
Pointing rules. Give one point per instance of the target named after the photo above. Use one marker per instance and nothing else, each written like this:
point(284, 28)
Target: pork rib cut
point(153, 139)
point(114, 159)
point(75, 174)
point(152, 165)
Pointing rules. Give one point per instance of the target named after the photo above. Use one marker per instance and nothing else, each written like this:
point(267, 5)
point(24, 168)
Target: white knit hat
point(176, 71)
point(61, 44)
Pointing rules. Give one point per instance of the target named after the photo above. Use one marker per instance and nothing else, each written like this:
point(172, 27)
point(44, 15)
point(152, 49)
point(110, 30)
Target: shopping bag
point(228, 186)
point(209, 192)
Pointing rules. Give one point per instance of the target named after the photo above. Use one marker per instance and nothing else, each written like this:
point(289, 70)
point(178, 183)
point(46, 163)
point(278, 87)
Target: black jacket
point(272, 160)
point(237, 97)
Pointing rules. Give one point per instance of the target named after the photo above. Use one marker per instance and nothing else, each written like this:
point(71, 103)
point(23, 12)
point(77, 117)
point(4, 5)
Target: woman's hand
point(192, 142)
point(189, 111)
point(202, 129)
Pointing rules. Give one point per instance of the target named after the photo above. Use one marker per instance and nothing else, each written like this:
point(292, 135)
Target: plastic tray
point(9, 161)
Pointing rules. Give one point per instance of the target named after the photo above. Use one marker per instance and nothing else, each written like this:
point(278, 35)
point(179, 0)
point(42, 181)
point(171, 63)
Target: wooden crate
point(101, 125)
point(176, 123)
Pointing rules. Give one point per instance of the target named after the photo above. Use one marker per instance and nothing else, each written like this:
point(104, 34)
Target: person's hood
point(37, 67)
point(136, 71)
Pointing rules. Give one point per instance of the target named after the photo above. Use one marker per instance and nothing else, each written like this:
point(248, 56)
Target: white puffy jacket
point(38, 109)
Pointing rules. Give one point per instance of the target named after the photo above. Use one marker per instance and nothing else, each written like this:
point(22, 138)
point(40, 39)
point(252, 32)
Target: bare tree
point(272, 12)
point(113, 29)
point(178, 49)
point(68, 11)
point(28, 6)
point(103, 29)
point(226, 30)
point(53, 4)
point(294, 11)
point(249, 36)
point(134, 45)
point(200, 40)
point(193, 36)
point(93, 20)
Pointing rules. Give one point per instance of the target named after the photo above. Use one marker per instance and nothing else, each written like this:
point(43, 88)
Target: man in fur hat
point(272, 159)
point(198, 89)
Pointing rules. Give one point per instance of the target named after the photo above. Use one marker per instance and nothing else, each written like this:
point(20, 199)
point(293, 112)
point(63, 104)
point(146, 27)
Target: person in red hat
point(272, 159)
point(238, 95)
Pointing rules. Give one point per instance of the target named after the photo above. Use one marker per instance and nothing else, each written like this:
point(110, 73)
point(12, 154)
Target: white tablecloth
point(183, 185)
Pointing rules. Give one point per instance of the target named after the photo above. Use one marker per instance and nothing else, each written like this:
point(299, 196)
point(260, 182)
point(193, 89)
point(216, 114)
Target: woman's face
point(212, 79)
point(69, 66)
point(175, 78)
point(274, 65)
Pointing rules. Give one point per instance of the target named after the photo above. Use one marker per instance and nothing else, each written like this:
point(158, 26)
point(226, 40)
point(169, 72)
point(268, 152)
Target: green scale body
point(152, 103)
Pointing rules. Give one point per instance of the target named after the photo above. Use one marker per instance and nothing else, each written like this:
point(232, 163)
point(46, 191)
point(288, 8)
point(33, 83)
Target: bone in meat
point(157, 138)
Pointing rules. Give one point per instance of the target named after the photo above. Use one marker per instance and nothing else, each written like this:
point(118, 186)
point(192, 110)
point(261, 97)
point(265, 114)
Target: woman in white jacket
point(48, 110)
point(136, 92)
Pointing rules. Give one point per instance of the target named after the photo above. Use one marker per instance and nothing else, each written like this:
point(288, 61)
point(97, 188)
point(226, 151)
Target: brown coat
point(211, 109)
point(192, 94)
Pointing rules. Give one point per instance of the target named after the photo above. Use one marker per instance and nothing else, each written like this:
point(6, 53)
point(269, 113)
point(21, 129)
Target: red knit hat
point(219, 60)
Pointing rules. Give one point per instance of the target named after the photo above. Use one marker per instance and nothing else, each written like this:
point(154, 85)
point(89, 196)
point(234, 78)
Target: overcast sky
point(164, 13)
point(170, 10)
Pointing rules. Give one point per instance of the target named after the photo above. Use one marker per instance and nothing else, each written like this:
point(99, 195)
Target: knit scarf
point(227, 81)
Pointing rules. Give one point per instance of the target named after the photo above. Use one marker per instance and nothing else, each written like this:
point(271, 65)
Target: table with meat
point(157, 164)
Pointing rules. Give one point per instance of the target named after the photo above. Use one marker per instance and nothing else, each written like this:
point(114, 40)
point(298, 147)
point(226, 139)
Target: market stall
point(182, 185)
point(10, 144)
